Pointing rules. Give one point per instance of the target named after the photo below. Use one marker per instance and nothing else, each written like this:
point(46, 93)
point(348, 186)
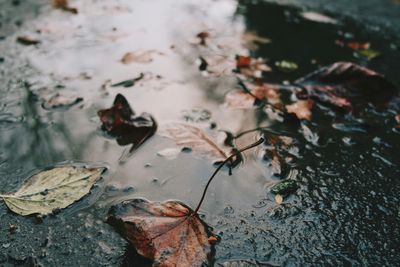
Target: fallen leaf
point(368, 53)
point(251, 67)
point(169, 153)
point(286, 66)
point(120, 121)
point(203, 36)
point(285, 187)
point(63, 5)
point(317, 17)
point(169, 232)
point(130, 82)
point(52, 189)
point(145, 56)
point(278, 199)
point(216, 65)
point(301, 108)
point(243, 263)
point(346, 85)
point(27, 40)
point(243, 100)
point(58, 100)
point(186, 135)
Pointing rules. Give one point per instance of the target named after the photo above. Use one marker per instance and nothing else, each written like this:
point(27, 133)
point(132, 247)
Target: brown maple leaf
point(169, 233)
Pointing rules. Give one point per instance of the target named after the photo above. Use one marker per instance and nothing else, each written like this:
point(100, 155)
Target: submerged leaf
point(120, 121)
point(52, 189)
point(186, 135)
point(346, 85)
point(168, 232)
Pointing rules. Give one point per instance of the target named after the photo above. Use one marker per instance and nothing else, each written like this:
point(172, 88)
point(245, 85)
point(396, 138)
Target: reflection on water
point(346, 210)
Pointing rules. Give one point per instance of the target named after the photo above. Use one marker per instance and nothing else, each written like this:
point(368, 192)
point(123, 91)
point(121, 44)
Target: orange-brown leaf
point(166, 232)
point(301, 108)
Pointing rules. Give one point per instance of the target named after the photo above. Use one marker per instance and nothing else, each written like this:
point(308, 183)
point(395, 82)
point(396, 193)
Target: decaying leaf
point(27, 40)
point(168, 232)
point(63, 5)
point(120, 121)
point(145, 56)
point(52, 189)
point(317, 17)
point(346, 85)
point(189, 136)
point(301, 108)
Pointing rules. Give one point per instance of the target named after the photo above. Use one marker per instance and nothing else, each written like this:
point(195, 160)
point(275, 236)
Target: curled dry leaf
point(317, 17)
point(168, 232)
point(52, 189)
point(145, 56)
point(301, 108)
point(186, 135)
point(120, 121)
point(347, 85)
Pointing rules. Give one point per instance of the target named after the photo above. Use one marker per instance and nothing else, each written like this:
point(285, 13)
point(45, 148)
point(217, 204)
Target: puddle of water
point(346, 210)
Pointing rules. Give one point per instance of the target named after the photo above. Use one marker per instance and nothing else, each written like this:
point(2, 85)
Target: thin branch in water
point(260, 141)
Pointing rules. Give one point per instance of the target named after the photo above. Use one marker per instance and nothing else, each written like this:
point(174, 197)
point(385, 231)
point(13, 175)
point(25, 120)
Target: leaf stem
point(220, 166)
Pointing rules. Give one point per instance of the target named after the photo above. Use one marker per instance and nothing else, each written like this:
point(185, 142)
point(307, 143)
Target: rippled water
point(346, 211)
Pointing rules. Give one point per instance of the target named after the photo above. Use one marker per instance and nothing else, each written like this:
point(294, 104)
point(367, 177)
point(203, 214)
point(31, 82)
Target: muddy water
point(346, 211)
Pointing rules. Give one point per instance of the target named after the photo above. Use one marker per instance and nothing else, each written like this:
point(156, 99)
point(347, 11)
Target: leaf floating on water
point(24, 40)
point(346, 85)
point(52, 189)
point(251, 67)
point(286, 66)
point(168, 232)
point(169, 153)
point(120, 122)
point(317, 17)
point(301, 108)
point(143, 57)
point(186, 135)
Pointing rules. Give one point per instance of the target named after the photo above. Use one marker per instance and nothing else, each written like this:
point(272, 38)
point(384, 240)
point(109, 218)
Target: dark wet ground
point(346, 211)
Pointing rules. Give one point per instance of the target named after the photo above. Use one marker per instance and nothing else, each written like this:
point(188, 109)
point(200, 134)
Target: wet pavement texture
point(346, 210)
